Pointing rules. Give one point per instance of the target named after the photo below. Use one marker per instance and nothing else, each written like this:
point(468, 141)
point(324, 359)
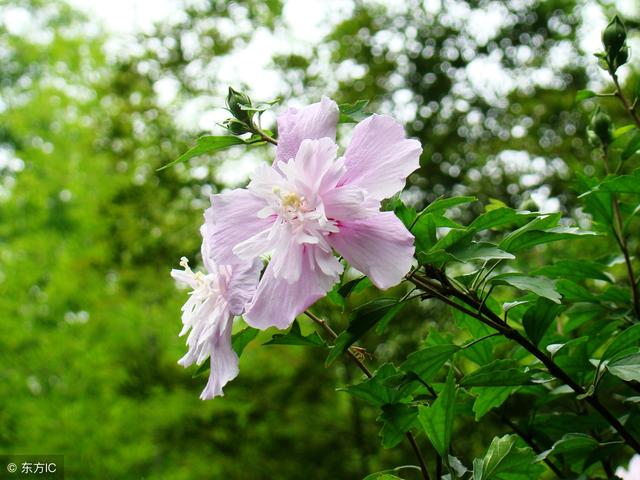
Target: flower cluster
point(297, 212)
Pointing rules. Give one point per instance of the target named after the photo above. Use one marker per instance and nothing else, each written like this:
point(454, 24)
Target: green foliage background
point(89, 230)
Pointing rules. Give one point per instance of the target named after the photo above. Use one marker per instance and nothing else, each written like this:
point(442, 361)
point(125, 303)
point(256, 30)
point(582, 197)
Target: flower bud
point(235, 101)
point(622, 56)
point(602, 127)
point(235, 126)
point(613, 36)
point(530, 205)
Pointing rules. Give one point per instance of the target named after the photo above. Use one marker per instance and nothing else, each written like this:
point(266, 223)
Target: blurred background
point(95, 96)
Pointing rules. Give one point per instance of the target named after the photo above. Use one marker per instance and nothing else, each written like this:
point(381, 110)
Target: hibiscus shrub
point(551, 350)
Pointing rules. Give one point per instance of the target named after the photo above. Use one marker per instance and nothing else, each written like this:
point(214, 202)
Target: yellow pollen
point(291, 200)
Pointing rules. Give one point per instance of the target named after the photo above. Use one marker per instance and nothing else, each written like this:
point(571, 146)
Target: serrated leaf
point(437, 419)
point(295, 337)
point(361, 321)
point(499, 373)
point(488, 398)
point(397, 419)
point(353, 112)
point(541, 286)
point(206, 144)
point(427, 362)
point(539, 318)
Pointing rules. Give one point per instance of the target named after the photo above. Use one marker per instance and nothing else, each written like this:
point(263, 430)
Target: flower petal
point(277, 302)
point(243, 284)
point(349, 202)
point(380, 157)
point(224, 366)
point(232, 219)
point(380, 246)
point(313, 121)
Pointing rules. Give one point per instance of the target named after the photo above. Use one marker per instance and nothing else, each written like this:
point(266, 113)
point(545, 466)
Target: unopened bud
point(235, 101)
point(602, 127)
point(613, 36)
point(235, 126)
point(622, 56)
point(530, 205)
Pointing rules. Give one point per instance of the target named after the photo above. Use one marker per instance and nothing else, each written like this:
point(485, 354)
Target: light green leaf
point(206, 144)
point(626, 340)
point(575, 270)
point(505, 461)
point(584, 94)
point(353, 112)
point(479, 251)
point(632, 147)
point(626, 367)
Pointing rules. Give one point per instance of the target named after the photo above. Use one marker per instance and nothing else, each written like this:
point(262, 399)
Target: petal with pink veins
point(381, 247)
point(277, 302)
point(314, 121)
point(379, 157)
point(232, 219)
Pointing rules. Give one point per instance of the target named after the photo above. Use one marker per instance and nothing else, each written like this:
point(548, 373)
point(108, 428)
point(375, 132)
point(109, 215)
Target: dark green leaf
point(632, 147)
point(427, 362)
point(241, 339)
point(500, 217)
point(626, 367)
point(206, 144)
point(437, 419)
point(624, 341)
point(386, 386)
point(479, 251)
point(504, 461)
point(445, 203)
point(488, 398)
point(575, 270)
point(397, 419)
point(619, 184)
point(541, 286)
point(539, 318)
point(295, 337)
point(499, 373)
point(361, 321)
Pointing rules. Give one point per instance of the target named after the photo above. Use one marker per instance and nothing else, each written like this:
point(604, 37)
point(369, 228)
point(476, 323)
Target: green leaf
point(499, 373)
point(408, 215)
point(425, 232)
point(632, 147)
point(427, 362)
point(584, 94)
point(624, 341)
point(353, 286)
point(437, 419)
point(625, 367)
point(397, 419)
point(384, 475)
point(488, 398)
point(541, 286)
point(206, 144)
point(500, 217)
point(504, 461)
point(202, 369)
point(242, 338)
point(294, 337)
point(380, 390)
point(361, 321)
point(575, 270)
point(479, 251)
point(539, 318)
point(445, 203)
point(619, 184)
point(353, 112)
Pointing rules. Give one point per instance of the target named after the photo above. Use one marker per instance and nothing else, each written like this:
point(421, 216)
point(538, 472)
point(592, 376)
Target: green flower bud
point(622, 56)
point(613, 36)
point(601, 126)
point(235, 100)
point(235, 126)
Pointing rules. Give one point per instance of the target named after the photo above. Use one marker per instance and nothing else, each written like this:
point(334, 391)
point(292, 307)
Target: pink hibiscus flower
point(312, 202)
point(217, 296)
